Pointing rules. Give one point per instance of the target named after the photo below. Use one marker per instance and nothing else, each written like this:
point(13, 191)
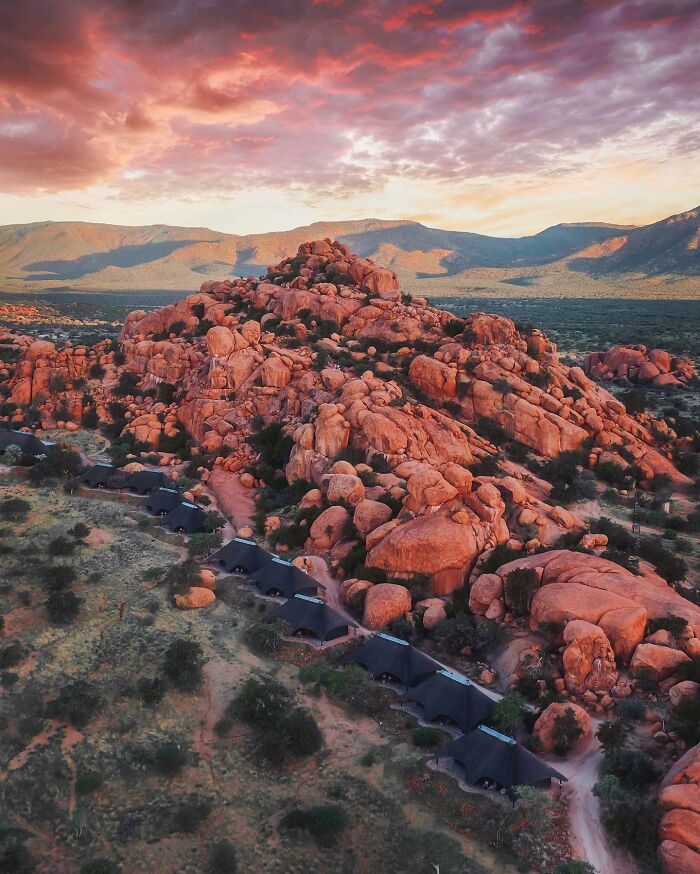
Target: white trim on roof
point(310, 599)
point(497, 734)
point(393, 639)
point(456, 677)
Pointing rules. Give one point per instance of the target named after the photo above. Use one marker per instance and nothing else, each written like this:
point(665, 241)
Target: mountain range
point(659, 260)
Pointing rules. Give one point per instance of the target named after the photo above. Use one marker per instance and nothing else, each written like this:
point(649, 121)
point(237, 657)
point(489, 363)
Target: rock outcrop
point(640, 365)
point(544, 728)
point(679, 829)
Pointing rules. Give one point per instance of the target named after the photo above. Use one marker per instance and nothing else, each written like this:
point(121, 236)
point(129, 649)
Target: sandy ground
point(590, 841)
point(234, 501)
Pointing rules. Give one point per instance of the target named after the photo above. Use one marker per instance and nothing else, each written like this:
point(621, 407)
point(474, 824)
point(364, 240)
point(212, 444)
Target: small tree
point(13, 455)
point(61, 545)
point(14, 509)
point(520, 587)
point(262, 701)
point(324, 823)
point(79, 531)
point(613, 735)
point(63, 607)
point(183, 664)
point(530, 843)
point(222, 858)
point(566, 731)
point(265, 637)
point(508, 713)
point(214, 521)
point(574, 866)
point(204, 544)
point(76, 703)
point(101, 866)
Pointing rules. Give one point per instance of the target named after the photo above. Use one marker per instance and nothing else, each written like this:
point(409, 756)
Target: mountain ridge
point(580, 259)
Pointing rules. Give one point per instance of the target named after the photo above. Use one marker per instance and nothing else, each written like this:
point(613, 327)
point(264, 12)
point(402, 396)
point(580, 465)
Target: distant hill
point(569, 260)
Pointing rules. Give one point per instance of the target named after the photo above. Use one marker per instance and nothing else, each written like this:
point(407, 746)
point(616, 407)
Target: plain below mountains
point(660, 260)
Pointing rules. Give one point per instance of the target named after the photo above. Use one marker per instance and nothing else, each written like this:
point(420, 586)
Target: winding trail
point(589, 839)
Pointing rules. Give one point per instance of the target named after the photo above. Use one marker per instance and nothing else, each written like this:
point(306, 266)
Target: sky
point(493, 116)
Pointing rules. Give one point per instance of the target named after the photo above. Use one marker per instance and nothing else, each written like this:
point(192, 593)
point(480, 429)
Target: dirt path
point(233, 500)
point(589, 839)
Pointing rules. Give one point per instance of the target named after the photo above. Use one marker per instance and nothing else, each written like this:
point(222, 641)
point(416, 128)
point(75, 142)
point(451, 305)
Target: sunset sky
point(255, 115)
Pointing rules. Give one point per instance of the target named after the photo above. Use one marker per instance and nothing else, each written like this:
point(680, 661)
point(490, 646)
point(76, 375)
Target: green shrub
point(61, 545)
point(508, 713)
point(168, 758)
point(675, 625)
point(87, 782)
point(222, 858)
point(325, 822)
point(631, 709)
point(11, 655)
point(62, 607)
point(295, 735)
point(96, 371)
point(610, 472)
point(14, 509)
point(520, 587)
point(12, 456)
point(79, 531)
point(613, 735)
point(89, 419)
point(204, 544)
point(100, 866)
point(183, 664)
point(261, 701)
point(151, 690)
point(15, 858)
point(127, 383)
point(58, 463)
point(272, 444)
point(424, 737)
point(76, 703)
point(633, 768)
point(574, 866)
point(265, 637)
point(566, 731)
point(500, 555)
point(686, 719)
point(349, 684)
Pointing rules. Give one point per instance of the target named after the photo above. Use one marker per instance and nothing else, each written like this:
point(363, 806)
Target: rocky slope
point(387, 419)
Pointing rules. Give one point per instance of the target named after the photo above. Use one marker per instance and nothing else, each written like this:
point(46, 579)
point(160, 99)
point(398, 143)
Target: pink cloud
point(156, 96)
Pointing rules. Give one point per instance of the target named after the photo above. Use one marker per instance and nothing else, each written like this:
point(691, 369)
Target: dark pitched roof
point(144, 481)
point(278, 575)
point(384, 654)
point(187, 516)
point(243, 554)
point(304, 613)
point(28, 443)
point(487, 754)
point(445, 694)
point(162, 501)
point(97, 475)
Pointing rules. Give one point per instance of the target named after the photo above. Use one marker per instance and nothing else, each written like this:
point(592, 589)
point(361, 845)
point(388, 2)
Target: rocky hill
point(423, 456)
point(584, 260)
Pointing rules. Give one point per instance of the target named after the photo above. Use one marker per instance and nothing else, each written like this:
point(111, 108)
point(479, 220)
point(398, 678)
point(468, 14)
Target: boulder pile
point(639, 365)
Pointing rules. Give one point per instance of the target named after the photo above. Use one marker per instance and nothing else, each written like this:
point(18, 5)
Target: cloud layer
point(323, 99)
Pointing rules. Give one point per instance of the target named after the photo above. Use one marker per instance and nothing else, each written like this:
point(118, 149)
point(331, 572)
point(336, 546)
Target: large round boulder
point(384, 603)
point(544, 728)
point(220, 342)
point(194, 598)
